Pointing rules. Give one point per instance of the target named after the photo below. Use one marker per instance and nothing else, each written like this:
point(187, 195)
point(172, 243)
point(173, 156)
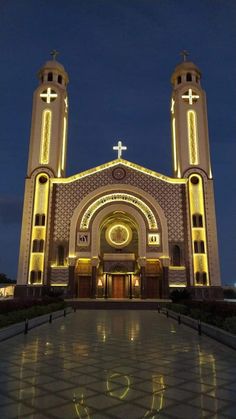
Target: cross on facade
point(119, 147)
point(54, 54)
point(49, 94)
point(190, 96)
point(184, 54)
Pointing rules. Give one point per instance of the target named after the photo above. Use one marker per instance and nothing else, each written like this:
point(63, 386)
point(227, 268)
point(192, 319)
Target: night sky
point(120, 55)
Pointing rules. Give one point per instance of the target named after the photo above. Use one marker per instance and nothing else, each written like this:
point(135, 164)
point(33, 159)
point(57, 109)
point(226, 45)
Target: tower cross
point(48, 94)
point(119, 147)
point(54, 54)
point(184, 54)
point(190, 96)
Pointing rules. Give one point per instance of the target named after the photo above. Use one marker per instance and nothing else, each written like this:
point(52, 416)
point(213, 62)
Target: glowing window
point(45, 136)
point(192, 138)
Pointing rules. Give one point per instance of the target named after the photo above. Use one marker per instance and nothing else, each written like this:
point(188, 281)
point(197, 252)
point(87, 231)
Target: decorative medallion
point(118, 235)
point(119, 173)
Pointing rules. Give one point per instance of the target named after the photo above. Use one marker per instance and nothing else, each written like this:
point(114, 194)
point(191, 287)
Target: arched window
point(195, 246)
point(189, 77)
point(202, 247)
point(39, 275)
point(60, 255)
point(32, 277)
point(197, 277)
point(197, 220)
point(38, 246)
point(204, 278)
point(37, 219)
point(179, 79)
point(41, 244)
point(176, 255)
point(50, 77)
point(42, 219)
point(59, 79)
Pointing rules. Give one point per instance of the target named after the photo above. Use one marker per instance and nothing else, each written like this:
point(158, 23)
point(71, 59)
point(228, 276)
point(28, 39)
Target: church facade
point(119, 230)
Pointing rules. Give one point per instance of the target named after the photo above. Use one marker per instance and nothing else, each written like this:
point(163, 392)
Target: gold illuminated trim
point(196, 195)
point(58, 285)
point(192, 138)
point(45, 136)
point(119, 162)
point(177, 285)
point(121, 197)
point(40, 207)
point(122, 238)
point(63, 144)
point(177, 268)
point(174, 145)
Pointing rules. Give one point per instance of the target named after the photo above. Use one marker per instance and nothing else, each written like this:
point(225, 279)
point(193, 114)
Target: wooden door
point(118, 286)
point(84, 287)
point(152, 287)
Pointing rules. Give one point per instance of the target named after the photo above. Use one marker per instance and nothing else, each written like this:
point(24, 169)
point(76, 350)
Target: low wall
point(16, 329)
point(207, 329)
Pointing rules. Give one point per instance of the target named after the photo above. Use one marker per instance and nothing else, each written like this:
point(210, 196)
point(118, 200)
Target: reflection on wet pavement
point(116, 364)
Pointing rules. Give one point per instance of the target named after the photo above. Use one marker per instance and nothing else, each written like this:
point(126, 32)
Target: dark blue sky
point(119, 55)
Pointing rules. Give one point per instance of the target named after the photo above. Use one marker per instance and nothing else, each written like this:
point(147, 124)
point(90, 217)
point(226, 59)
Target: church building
point(119, 230)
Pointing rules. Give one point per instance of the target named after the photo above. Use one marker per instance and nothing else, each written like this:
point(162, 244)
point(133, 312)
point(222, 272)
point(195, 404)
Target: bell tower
point(48, 140)
point(191, 160)
point(190, 142)
point(47, 160)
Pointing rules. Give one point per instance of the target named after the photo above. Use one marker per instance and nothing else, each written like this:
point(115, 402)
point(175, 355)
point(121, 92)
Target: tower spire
point(54, 54)
point(184, 54)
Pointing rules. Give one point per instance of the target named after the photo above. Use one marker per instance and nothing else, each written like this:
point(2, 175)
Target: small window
point(178, 79)
point(197, 220)
point(197, 277)
point(60, 255)
point(199, 246)
point(41, 244)
point(39, 275)
point(59, 79)
point(176, 255)
point(32, 276)
point(50, 77)
point(195, 246)
point(38, 246)
point(37, 219)
point(189, 77)
point(202, 247)
point(204, 278)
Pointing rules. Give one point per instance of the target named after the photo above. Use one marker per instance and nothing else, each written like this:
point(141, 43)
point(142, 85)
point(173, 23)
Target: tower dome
point(185, 72)
point(53, 71)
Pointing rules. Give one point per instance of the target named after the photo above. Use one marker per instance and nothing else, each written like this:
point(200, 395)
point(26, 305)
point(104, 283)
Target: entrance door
point(152, 287)
point(84, 287)
point(118, 286)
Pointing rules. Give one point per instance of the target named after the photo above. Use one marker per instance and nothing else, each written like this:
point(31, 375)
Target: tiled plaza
point(116, 364)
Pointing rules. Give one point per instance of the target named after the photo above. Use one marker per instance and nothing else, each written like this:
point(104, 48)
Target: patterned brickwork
point(168, 196)
point(177, 277)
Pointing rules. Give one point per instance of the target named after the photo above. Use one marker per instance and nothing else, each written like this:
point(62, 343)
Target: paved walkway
point(116, 364)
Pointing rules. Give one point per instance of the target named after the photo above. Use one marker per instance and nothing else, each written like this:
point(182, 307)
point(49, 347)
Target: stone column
point(106, 288)
point(95, 263)
point(94, 280)
point(130, 287)
point(165, 277)
point(71, 282)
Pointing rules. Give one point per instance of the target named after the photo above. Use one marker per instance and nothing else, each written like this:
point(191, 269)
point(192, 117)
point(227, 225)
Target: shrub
point(180, 295)
point(230, 324)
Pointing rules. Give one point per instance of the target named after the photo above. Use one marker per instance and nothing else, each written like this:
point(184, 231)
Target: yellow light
point(192, 138)
point(178, 268)
point(174, 145)
point(63, 144)
point(122, 197)
point(100, 282)
point(177, 285)
point(40, 207)
point(200, 261)
point(45, 136)
point(116, 163)
point(136, 284)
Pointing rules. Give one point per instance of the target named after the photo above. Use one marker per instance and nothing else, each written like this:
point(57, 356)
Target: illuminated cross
point(54, 54)
point(184, 54)
point(190, 96)
point(49, 94)
point(119, 147)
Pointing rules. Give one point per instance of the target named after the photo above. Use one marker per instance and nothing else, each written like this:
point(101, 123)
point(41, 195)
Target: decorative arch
point(150, 201)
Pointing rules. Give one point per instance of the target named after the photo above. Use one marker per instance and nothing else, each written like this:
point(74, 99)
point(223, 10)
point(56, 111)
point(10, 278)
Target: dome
point(184, 68)
point(54, 67)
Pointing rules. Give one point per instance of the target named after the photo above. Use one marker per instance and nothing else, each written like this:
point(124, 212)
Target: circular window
point(118, 235)
point(118, 173)
point(194, 180)
point(43, 179)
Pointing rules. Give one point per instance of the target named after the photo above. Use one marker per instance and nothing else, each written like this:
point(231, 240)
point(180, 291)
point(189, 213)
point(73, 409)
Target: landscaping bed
point(15, 311)
point(217, 313)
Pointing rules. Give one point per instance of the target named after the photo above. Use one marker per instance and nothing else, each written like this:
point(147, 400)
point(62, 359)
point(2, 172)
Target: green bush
point(178, 308)
point(29, 313)
point(230, 324)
